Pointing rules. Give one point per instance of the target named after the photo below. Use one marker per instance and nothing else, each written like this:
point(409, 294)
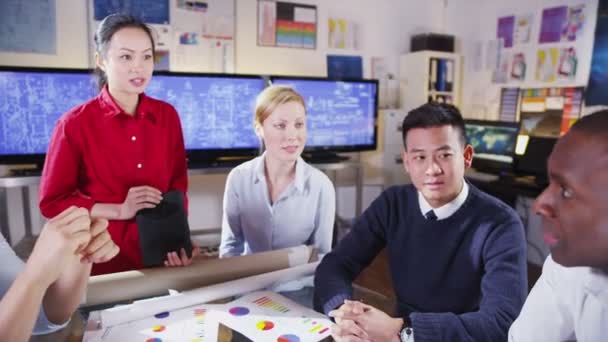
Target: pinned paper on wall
point(343, 34)
point(286, 24)
point(161, 60)
point(198, 35)
point(518, 67)
point(553, 20)
point(568, 62)
point(523, 29)
point(546, 66)
point(504, 30)
point(501, 73)
point(574, 23)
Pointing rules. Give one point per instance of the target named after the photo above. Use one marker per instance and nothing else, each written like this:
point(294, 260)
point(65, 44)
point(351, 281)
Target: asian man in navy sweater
point(457, 255)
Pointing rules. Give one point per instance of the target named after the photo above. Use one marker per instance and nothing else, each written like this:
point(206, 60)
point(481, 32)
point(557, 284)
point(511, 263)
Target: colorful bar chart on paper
point(268, 303)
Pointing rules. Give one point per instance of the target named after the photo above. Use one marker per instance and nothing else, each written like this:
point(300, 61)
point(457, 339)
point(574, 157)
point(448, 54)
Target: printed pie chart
point(288, 338)
point(264, 325)
point(239, 311)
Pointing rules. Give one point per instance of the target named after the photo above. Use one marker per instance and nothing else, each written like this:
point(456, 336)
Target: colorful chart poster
point(553, 20)
point(294, 25)
point(505, 30)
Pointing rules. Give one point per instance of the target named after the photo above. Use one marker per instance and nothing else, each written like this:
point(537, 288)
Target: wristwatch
point(407, 331)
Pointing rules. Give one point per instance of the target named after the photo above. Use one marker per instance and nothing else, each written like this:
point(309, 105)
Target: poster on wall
point(28, 26)
point(568, 62)
point(343, 34)
point(562, 24)
point(518, 67)
point(190, 35)
point(501, 72)
point(546, 66)
point(574, 24)
point(344, 67)
point(523, 29)
point(286, 24)
point(552, 22)
point(504, 30)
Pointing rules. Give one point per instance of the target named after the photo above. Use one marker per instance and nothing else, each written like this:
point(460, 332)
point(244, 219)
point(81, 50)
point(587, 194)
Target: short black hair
point(434, 114)
point(595, 124)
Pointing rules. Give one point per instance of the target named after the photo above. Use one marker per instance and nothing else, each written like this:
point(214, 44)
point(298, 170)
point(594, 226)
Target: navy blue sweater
point(463, 278)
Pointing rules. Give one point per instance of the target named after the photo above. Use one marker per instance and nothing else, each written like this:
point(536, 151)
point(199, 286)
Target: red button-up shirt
point(98, 152)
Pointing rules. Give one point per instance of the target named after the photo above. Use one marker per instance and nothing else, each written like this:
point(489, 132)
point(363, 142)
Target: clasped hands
point(359, 322)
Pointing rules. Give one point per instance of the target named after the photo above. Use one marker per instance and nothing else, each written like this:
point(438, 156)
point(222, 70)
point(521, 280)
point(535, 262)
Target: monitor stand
point(323, 157)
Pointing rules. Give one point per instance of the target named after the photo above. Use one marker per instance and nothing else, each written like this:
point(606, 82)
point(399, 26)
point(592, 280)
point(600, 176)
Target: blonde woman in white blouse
point(277, 200)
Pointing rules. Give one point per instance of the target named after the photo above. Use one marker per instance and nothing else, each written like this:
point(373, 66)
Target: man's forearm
point(64, 295)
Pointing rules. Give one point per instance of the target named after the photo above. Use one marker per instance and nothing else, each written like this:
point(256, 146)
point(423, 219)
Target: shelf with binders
point(429, 76)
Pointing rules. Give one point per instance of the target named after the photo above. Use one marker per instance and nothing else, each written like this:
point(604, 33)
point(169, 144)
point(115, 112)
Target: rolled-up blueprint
point(149, 307)
point(128, 285)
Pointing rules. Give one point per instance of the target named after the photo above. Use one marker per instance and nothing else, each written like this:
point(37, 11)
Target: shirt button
point(133, 138)
point(139, 166)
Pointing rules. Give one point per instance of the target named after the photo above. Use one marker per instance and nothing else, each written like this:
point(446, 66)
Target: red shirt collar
point(111, 109)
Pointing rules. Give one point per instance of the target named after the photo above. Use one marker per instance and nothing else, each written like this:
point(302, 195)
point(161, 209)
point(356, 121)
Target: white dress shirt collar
point(300, 177)
point(447, 209)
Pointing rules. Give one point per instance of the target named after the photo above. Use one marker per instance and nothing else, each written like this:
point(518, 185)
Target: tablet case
point(163, 229)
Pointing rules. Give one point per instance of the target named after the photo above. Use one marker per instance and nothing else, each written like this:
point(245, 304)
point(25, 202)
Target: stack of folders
point(441, 79)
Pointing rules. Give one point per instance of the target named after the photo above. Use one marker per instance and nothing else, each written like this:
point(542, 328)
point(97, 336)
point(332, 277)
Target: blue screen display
point(216, 112)
point(338, 113)
point(491, 141)
point(32, 102)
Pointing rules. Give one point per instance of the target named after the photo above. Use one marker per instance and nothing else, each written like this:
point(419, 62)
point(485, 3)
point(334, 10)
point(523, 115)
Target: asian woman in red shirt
point(118, 152)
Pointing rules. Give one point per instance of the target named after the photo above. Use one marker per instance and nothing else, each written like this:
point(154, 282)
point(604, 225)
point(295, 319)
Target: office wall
point(474, 22)
point(385, 27)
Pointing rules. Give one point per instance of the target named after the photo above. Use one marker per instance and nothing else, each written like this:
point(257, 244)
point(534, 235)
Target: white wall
point(474, 22)
point(385, 26)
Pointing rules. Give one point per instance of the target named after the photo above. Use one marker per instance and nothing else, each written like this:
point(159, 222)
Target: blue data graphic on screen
point(216, 112)
point(31, 103)
point(492, 142)
point(339, 113)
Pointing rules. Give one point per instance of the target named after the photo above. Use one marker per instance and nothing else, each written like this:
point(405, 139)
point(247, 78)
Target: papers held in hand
point(164, 229)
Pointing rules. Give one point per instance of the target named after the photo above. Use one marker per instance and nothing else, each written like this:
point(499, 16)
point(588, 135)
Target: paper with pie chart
point(267, 316)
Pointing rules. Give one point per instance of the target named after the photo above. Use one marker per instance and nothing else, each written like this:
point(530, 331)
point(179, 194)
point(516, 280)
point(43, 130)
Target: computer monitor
point(31, 102)
point(341, 114)
point(493, 144)
point(533, 158)
point(216, 111)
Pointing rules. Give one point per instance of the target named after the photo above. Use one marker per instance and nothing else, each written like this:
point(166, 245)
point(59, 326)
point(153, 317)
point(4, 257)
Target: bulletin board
point(191, 35)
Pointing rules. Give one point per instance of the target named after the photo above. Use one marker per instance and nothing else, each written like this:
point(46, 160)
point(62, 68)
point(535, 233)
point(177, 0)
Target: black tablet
point(164, 229)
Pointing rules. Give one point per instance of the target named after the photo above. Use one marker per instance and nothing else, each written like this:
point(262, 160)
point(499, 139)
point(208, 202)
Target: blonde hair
point(273, 96)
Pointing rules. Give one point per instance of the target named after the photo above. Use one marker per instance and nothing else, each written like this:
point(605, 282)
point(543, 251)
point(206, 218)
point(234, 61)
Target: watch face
point(405, 334)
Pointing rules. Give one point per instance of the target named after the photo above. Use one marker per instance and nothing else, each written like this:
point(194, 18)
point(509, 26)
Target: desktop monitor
point(216, 111)
point(494, 144)
point(532, 161)
point(341, 115)
point(31, 102)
